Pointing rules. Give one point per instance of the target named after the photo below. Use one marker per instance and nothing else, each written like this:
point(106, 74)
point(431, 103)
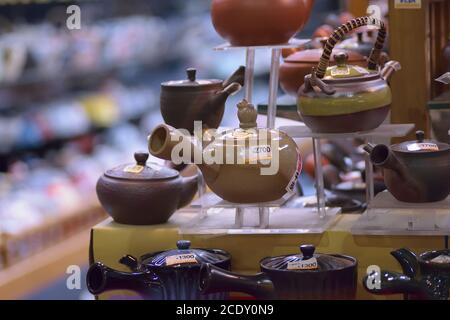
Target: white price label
point(423, 146)
point(180, 259)
point(261, 152)
point(408, 4)
point(310, 264)
point(291, 186)
point(135, 168)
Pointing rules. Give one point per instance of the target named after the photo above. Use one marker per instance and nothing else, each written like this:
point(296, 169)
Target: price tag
point(445, 78)
point(423, 146)
point(180, 259)
point(310, 264)
point(261, 152)
point(291, 186)
point(133, 169)
point(408, 4)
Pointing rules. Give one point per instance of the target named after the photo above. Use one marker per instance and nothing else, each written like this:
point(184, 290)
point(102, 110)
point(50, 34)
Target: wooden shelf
point(40, 269)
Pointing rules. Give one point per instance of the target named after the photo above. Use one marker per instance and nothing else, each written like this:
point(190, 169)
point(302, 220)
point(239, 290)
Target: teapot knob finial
point(191, 73)
point(307, 251)
point(341, 58)
point(183, 244)
point(247, 114)
point(420, 135)
point(141, 157)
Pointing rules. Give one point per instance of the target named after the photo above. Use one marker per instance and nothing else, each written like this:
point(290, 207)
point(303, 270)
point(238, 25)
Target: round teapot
point(347, 98)
point(144, 193)
point(243, 165)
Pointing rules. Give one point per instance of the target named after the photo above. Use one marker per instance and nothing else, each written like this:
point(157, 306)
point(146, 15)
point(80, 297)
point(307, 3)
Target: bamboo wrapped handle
point(340, 33)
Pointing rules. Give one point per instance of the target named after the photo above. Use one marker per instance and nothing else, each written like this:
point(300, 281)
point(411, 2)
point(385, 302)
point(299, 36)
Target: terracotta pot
point(266, 163)
point(261, 22)
point(144, 194)
point(185, 101)
point(346, 98)
point(298, 65)
point(414, 171)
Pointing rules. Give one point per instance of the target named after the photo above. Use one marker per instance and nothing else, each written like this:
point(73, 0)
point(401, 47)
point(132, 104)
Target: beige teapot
point(243, 165)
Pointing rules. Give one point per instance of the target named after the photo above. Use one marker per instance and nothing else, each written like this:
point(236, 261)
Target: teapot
point(414, 171)
point(346, 98)
point(143, 193)
point(243, 165)
point(426, 276)
point(185, 101)
point(302, 276)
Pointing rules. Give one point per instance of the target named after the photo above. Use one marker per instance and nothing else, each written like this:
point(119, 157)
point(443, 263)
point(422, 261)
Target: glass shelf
point(293, 43)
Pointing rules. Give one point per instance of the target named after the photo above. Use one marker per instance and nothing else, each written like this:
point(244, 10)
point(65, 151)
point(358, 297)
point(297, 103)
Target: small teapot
point(186, 101)
point(426, 276)
point(346, 98)
point(243, 165)
point(144, 193)
point(414, 171)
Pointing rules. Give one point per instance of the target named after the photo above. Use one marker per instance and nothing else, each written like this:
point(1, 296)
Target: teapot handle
point(340, 33)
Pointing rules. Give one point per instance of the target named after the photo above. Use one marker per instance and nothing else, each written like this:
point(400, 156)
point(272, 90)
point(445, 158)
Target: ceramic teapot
point(414, 171)
point(243, 165)
point(163, 275)
point(346, 98)
point(304, 276)
point(426, 276)
point(258, 23)
point(185, 101)
point(144, 193)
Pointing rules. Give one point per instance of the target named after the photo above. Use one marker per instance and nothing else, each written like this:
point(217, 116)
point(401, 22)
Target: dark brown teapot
point(414, 171)
point(186, 101)
point(144, 194)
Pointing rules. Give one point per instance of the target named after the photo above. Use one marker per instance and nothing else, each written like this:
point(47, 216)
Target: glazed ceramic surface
point(262, 22)
point(266, 162)
point(347, 98)
point(293, 277)
point(185, 101)
point(414, 171)
point(144, 193)
point(166, 275)
point(424, 277)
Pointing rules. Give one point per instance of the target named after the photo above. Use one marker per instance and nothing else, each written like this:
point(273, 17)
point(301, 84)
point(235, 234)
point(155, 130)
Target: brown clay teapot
point(185, 101)
point(244, 165)
point(262, 22)
point(299, 64)
point(346, 98)
point(414, 171)
point(144, 193)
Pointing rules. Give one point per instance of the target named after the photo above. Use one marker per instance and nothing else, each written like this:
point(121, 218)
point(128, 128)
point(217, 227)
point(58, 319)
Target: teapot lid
point(308, 261)
point(141, 170)
point(192, 81)
point(343, 70)
point(184, 256)
point(313, 56)
point(421, 145)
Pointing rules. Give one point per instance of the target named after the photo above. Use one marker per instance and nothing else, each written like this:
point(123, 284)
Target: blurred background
point(76, 102)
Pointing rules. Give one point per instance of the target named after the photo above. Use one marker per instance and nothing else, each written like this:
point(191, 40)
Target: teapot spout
point(168, 143)
point(382, 156)
point(238, 77)
point(408, 260)
point(214, 280)
point(101, 278)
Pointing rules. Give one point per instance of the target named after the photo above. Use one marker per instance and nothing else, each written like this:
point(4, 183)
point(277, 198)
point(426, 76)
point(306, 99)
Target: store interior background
point(74, 103)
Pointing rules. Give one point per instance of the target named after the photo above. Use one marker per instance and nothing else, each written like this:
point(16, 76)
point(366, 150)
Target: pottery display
point(165, 275)
point(414, 171)
point(262, 22)
point(346, 98)
point(304, 276)
point(426, 276)
point(296, 66)
point(266, 162)
point(185, 101)
point(144, 193)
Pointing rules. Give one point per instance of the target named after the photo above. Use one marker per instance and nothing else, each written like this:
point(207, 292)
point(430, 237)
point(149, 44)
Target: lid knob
point(141, 158)
point(247, 115)
point(307, 251)
point(191, 73)
point(341, 58)
point(420, 135)
point(183, 244)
